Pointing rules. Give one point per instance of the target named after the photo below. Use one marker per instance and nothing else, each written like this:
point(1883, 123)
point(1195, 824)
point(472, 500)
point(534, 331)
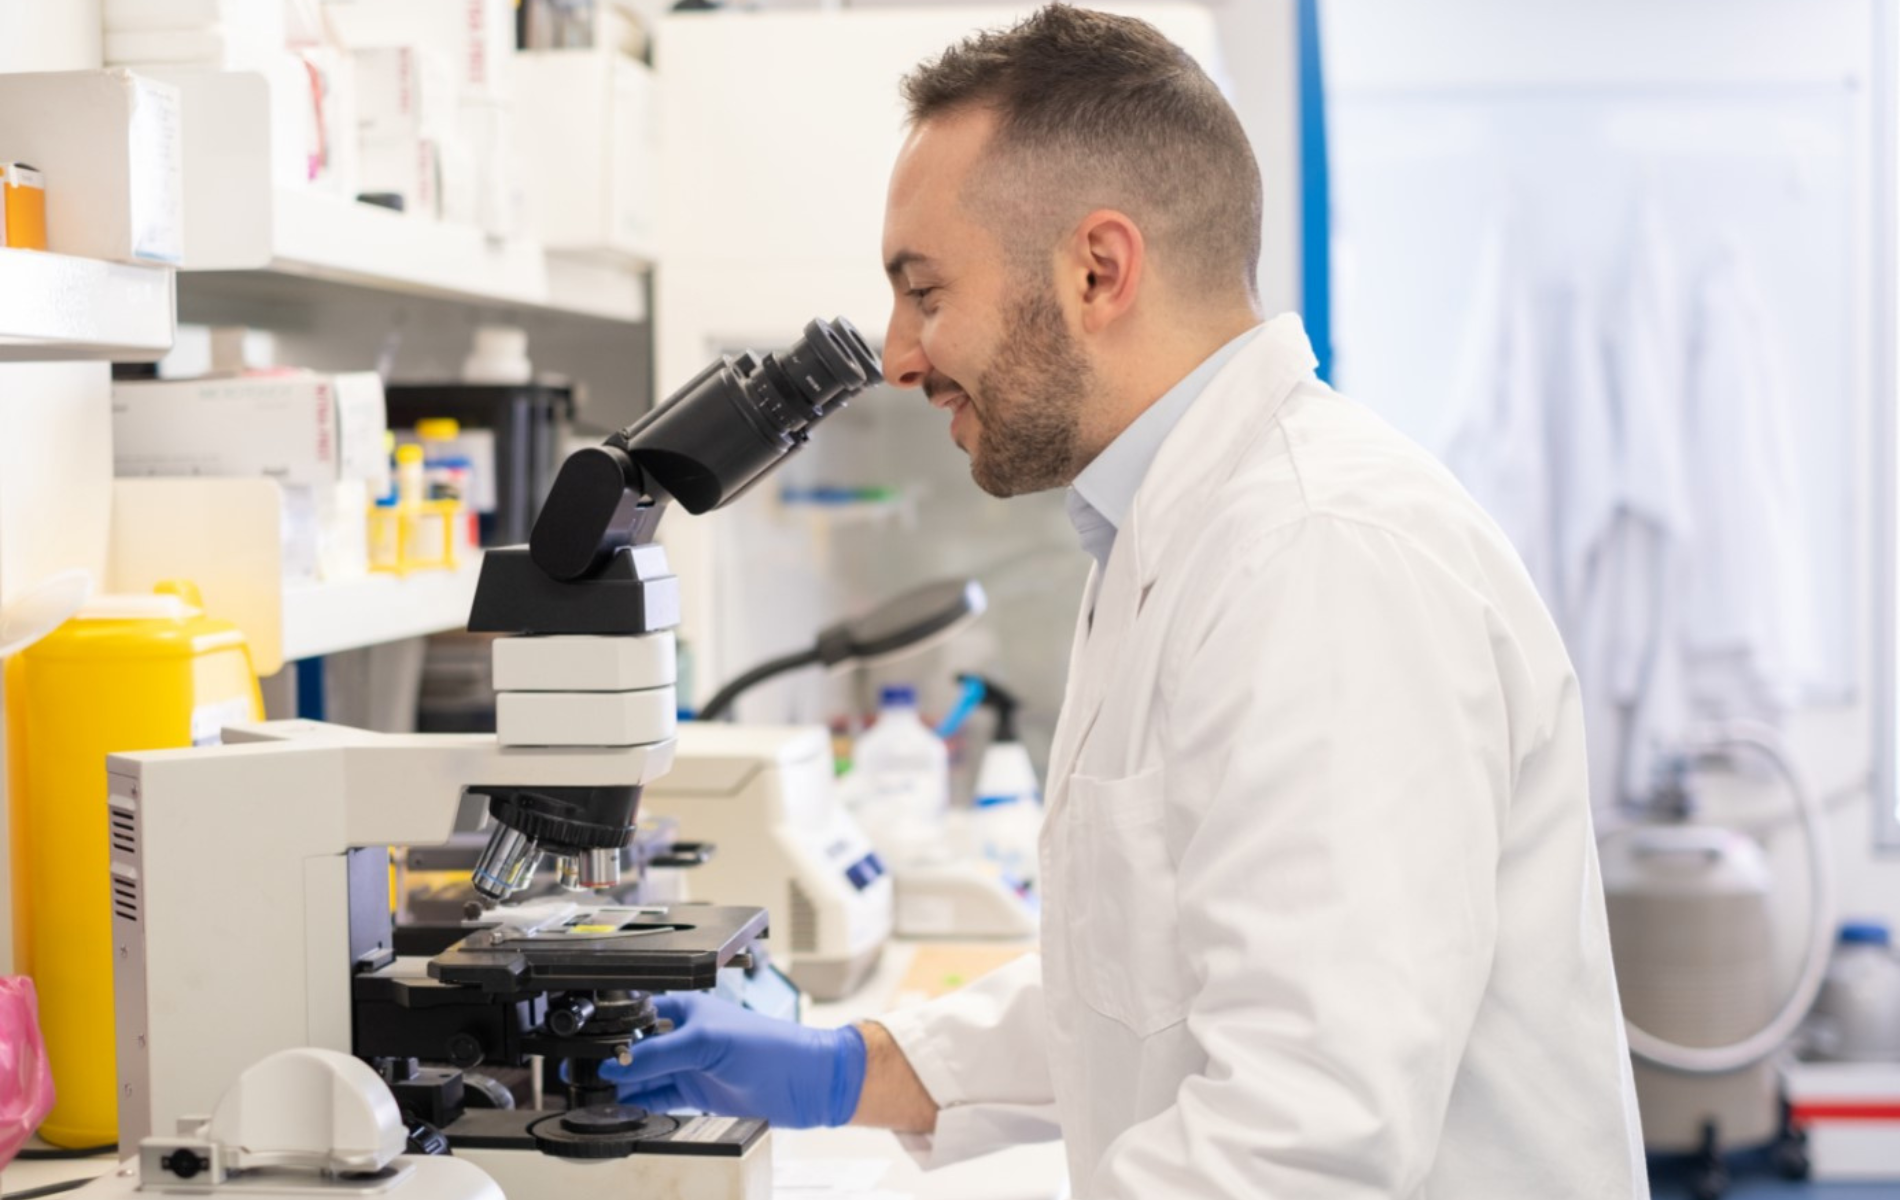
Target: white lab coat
point(1642, 567)
point(1499, 444)
point(1322, 916)
point(1748, 619)
point(1587, 499)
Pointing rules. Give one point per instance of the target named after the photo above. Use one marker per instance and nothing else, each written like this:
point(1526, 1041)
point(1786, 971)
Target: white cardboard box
point(403, 91)
point(231, 35)
point(299, 429)
point(410, 167)
point(225, 118)
point(1850, 1112)
point(186, 14)
point(110, 145)
point(481, 175)
point(478, 35)
point(591, 168)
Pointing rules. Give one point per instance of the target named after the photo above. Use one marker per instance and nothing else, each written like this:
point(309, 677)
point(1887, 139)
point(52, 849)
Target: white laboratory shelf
point(326, 237)
point(247, 237)
point(316, 237)
point(56, 307)
point(225, 536)
point(326, 618)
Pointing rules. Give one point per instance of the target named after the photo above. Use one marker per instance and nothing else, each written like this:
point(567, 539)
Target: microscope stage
point(649, 949)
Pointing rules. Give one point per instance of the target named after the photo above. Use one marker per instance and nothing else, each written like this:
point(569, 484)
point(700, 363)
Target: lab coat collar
point(1199, 455)
point(1201, 452)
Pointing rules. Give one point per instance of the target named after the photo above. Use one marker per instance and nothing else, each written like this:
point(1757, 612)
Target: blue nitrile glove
point(730, 1061)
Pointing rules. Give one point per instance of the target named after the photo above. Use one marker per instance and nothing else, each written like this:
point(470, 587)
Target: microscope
point(251, 881)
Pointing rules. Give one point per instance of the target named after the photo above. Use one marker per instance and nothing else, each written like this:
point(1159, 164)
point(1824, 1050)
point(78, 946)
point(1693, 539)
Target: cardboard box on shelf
point(187, 14)
point(313, 120)
point(1850, 1115)
point(481, 176)
point(110, 144)
point(296, 427)
point(590, 170)
point(409, 167)
point(229, 35)
point(403, 92)
point(320, 436)
point(478, 35)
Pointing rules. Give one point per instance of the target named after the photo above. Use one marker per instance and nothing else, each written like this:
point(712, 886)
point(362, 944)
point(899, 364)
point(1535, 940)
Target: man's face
point(985, 338)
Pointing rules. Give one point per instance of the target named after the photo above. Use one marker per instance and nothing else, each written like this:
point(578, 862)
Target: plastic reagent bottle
point(901, 784)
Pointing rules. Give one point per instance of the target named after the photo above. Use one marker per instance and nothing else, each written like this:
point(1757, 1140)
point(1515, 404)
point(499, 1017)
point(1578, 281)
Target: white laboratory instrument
point(1691, 931)
point(765, 798)
point(251, 882)
point(960, 896)
point(251, 915)
point(300, 1122)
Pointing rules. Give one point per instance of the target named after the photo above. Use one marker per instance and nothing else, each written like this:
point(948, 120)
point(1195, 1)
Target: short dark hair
point(1096, 111)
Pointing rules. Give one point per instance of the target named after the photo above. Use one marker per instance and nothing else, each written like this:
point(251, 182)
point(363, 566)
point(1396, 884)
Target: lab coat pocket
point(1124, 926)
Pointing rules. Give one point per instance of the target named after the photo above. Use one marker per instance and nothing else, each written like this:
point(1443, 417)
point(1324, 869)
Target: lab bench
point(1033, 1172)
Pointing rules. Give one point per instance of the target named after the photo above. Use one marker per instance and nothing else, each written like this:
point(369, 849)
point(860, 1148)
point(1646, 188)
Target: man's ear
point(1107, 260)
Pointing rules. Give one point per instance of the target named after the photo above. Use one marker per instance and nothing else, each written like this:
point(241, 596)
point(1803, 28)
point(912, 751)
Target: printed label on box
point(155, 149)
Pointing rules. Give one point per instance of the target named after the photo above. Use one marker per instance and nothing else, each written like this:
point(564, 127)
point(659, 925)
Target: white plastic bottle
point(1007, 810)
point(899, 787)
point(1859, 1004)
point(499, 356)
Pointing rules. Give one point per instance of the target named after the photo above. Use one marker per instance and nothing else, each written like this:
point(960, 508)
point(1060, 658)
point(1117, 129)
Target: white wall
point(1259, 68)
point(55, 419)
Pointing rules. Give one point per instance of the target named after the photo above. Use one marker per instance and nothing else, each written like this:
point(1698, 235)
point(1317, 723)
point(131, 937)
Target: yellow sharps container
point(128, 673)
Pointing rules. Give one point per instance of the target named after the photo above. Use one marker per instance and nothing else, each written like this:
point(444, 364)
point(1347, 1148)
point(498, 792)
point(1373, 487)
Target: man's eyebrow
point(903, 259)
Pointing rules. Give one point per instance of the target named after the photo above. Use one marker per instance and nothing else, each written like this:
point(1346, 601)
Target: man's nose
point(905, 364)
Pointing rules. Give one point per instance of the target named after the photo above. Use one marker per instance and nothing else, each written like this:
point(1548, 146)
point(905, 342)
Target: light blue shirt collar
point(1102, 494)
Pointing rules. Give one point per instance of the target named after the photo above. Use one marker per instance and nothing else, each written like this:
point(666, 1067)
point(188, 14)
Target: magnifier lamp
point(913, 621)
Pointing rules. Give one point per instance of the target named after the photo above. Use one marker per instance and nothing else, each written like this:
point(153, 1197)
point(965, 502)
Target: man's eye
point(918, 293)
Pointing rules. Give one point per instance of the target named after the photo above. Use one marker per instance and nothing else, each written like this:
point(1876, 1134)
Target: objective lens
point(600, 869)
point(505, 866)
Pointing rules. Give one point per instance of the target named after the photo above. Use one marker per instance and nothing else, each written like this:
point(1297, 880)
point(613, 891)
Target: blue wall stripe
point(1316, 266)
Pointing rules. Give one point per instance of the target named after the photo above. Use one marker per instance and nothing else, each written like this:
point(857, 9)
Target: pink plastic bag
point(26, 1078)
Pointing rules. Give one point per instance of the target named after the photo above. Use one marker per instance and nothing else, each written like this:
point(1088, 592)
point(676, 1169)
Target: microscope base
point(705, 1158)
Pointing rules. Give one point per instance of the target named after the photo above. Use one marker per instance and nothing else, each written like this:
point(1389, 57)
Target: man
point(1321, 913)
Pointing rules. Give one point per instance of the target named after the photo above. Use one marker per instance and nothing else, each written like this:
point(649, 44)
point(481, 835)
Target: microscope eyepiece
point(703, 446)
point(830, 360)
point(716, 436)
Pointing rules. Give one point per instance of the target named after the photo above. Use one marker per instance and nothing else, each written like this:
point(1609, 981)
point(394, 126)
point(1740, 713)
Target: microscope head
point(591, 570)
point(704, 446)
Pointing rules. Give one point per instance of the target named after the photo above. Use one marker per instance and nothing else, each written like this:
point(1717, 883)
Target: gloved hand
point(730, 1061)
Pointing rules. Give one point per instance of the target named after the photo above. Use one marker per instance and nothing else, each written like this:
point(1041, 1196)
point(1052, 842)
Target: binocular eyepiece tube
point(702, 447)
